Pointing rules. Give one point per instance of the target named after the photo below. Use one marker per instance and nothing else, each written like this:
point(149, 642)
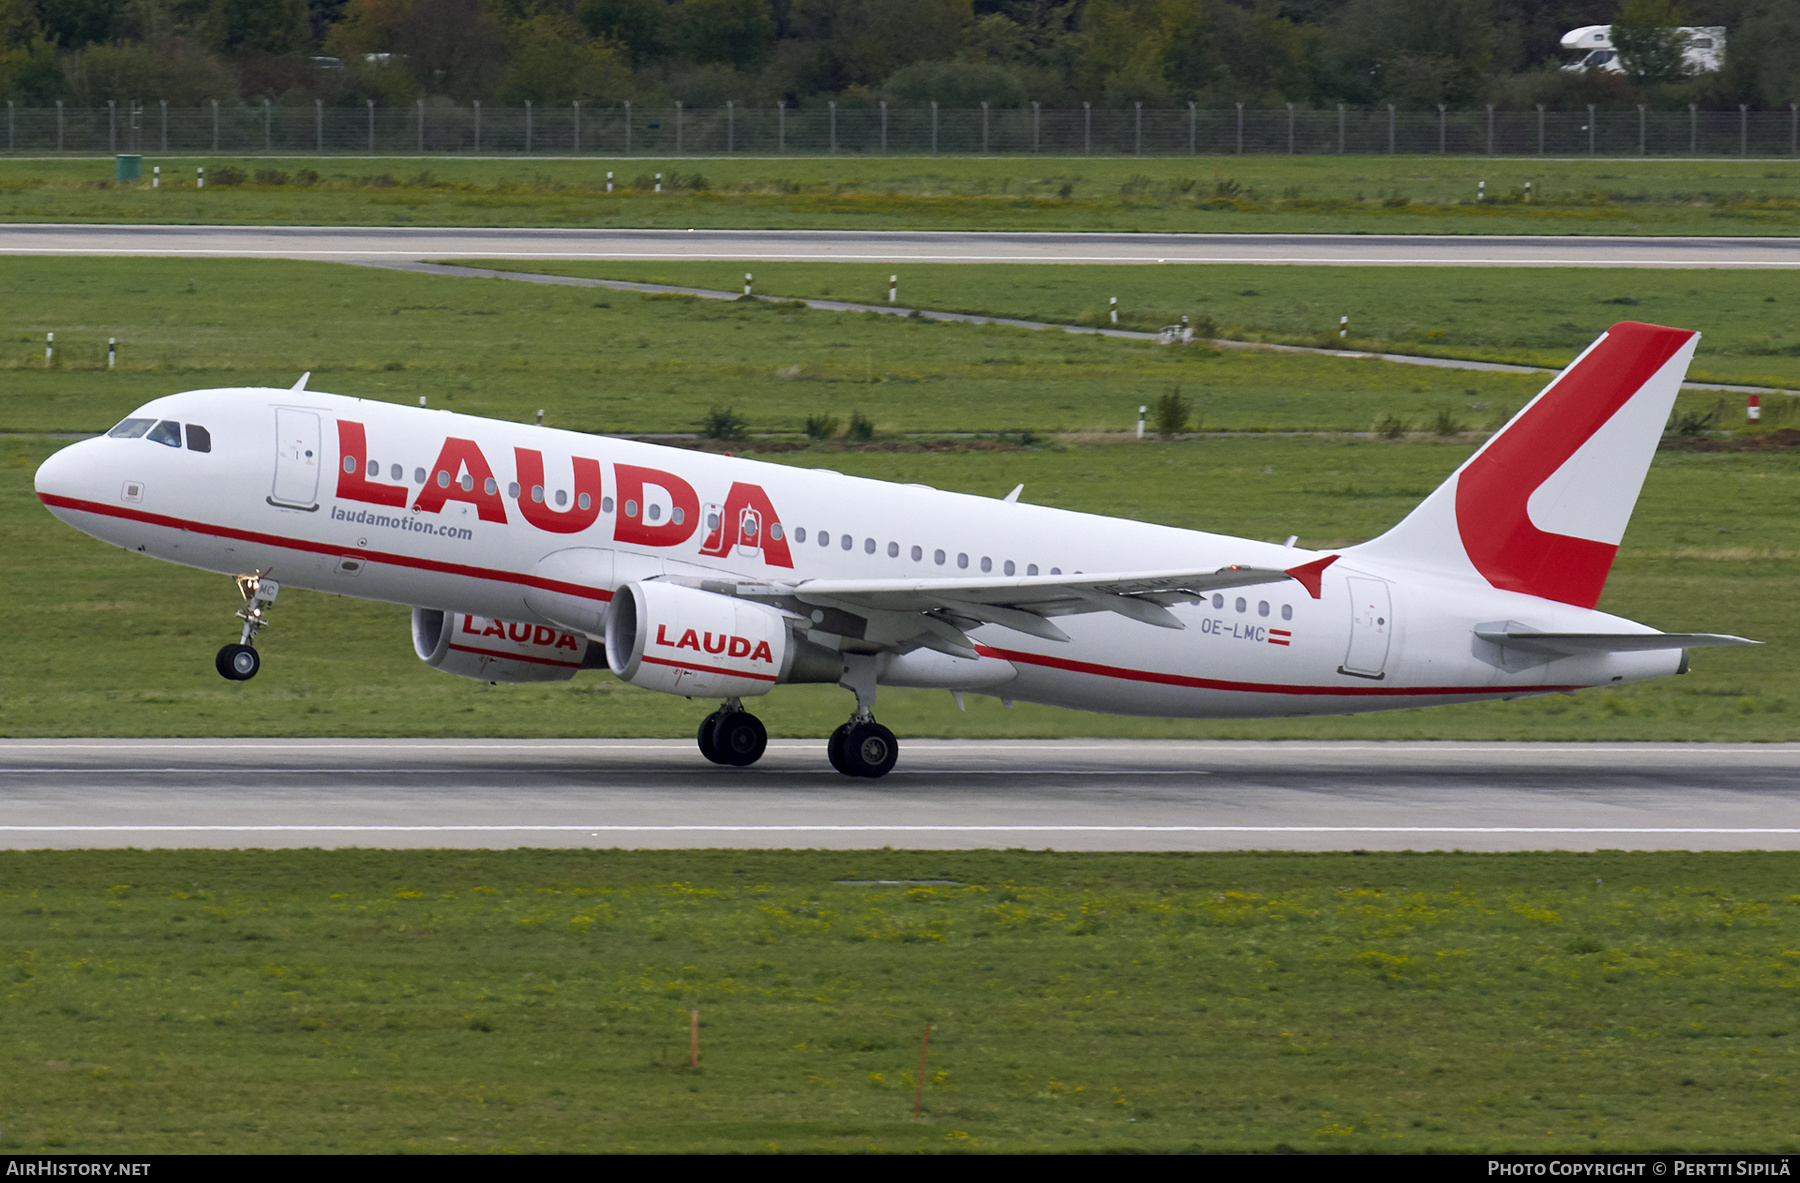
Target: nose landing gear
point(240, 662)
point(733, 736)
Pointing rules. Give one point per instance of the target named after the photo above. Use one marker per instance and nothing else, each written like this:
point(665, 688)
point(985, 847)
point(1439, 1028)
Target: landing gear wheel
point(834, 750)
point(705, 737)
point(869, 750)
point(237, 663)
point(739, 739)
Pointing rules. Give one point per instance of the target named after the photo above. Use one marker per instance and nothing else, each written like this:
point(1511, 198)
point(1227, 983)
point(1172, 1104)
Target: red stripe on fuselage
point(320, 548)
point(1186, 682)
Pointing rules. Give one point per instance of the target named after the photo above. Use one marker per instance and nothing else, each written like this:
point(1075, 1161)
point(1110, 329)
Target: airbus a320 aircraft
point(532, 553)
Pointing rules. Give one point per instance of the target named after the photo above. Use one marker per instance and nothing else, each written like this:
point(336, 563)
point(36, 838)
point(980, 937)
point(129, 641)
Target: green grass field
point(444, 1001)
point(1235, 194)
point(1528, 316)
point(109, 644)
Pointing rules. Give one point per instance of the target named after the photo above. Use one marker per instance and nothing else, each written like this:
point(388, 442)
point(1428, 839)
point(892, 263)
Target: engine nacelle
point(682, 640)
point(498, 650)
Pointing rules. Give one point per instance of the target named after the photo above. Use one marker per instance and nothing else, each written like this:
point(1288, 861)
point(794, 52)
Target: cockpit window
point(130, 429)
point(199, 439)
point(167, 432)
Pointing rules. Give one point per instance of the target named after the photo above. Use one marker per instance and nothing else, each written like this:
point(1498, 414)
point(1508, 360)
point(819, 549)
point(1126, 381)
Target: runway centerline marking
point(889, 829)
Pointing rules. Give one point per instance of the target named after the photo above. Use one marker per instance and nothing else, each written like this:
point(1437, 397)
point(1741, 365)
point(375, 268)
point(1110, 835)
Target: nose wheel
point(732, 736)
point(239, 662)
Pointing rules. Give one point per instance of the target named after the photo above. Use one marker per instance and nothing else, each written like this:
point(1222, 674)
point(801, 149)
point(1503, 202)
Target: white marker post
point(421, 400)
point(112, 353)
point(1527, 190)
point(893, 289)
point(156, 176)
point(746, 283)
point(1142, 411)
point(49, 347)
point(609, 182)
point(1754, 410)
point(1480, 190)
point(659, 182)
point(540, 416)
point(1343, 327)
point(1113, 307)
point(200, 177)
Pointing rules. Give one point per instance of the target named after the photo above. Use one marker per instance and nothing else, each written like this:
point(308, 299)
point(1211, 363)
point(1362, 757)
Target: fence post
point(215, 107)
point(934, 127)
point(371, 103)
point(678, 127)
point(1540, 108)
point(1240, 129)
point(1743, 129)
point(781, 126)
point(1340, 129)
point(1087, 128)
point(831, 117)
point(319, 125)
point(1490, 108)
point(1034, 125)
point(1137, 134)
point(12, 131)
point(884, 127)
point(1390, 129)
point(1794, 129)
point(576, 142)
point(268, 125)
point(628, 127)
point(1443, 121)
point(730, 126)
point(1193, 122)
point(1290, 108)
point(1693, 129)
point(528, 126)
point(59, 125)
point(112, 125)
point(1641, 140)
point(1590, 129)
point(477, 103)
point(165, 123)
point(984, 127)
point(421, 103)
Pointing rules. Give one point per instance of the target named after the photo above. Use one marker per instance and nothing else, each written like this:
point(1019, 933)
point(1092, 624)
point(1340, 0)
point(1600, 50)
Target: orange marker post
point(919, 1093)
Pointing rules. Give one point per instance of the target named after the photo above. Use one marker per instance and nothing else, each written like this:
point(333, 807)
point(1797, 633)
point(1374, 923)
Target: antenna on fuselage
point(301, 385)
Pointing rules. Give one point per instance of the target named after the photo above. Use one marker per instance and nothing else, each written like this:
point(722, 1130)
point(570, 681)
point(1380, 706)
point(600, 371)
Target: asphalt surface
point(356, 244)
point(1068, 795)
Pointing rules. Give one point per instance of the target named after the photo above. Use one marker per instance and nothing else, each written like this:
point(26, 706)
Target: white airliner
point(533, 553)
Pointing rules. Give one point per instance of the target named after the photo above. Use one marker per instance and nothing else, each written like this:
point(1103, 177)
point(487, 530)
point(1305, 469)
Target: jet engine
point(699, 644)
point(499, 650)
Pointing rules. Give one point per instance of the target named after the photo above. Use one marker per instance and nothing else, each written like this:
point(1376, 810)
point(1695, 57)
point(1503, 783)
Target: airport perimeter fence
point(624, 130)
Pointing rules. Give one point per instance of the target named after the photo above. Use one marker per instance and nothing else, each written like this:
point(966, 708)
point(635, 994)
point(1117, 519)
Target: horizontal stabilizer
point(1568, 644)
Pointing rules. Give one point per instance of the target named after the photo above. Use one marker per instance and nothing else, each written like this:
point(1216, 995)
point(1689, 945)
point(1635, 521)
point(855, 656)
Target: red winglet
point(1308, 575)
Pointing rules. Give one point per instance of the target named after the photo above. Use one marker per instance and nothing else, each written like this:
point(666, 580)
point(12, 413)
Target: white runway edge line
point(894, 829)
point(1199, 746)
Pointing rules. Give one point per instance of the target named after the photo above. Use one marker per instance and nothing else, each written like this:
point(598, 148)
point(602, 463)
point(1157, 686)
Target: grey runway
point(1067, 795)
point(362, 244)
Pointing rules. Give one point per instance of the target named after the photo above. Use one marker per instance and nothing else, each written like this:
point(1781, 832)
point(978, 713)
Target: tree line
point(1415, 54)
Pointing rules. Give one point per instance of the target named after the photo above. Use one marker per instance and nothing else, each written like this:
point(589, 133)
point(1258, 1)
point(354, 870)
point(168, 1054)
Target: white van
point(1705, 52)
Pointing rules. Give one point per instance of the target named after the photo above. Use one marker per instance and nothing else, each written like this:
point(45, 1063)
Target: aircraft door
point(297, 459)
point(749, 539)
point(1371, 626)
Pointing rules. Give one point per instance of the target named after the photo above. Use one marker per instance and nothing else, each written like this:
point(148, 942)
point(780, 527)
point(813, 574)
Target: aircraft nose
point(66, 475)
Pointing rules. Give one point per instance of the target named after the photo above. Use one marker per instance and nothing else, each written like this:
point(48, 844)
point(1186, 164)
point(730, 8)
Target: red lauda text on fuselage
point(462, 473)
point(716, 643)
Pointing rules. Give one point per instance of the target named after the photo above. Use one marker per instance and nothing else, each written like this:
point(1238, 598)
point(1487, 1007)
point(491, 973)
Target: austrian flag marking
point(1280, 636)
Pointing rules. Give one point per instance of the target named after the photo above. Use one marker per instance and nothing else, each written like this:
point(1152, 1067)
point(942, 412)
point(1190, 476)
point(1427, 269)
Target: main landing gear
point(862, 747)
point(732, 735)
point(239, 662)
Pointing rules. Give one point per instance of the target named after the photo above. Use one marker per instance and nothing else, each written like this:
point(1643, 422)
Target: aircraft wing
point(938, 613)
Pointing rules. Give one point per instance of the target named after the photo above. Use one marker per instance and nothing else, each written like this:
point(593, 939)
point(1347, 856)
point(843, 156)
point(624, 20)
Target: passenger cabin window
point(1031, 569)
point(199, 439)
point(800, 534)
point(167, 433)
point(1287, 612)
point(846, 542)
point(131, 429)
point(1218, 600)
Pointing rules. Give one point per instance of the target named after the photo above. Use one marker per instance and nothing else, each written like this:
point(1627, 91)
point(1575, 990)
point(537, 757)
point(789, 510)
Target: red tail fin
point(1541, 508)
